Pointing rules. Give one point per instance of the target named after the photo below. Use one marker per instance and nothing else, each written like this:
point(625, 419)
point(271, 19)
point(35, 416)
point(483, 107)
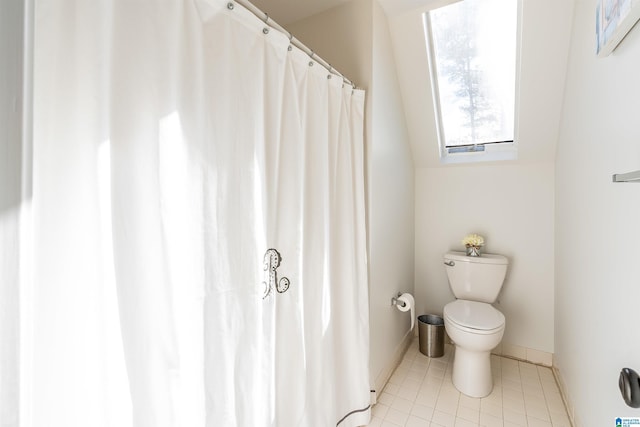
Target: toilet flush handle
point(449, 263)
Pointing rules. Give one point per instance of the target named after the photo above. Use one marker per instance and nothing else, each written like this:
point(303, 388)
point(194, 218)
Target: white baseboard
point(566, 398)
point(385, 374)
point(523, 353)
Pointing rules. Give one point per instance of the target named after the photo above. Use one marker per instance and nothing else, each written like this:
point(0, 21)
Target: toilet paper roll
point(409, 305)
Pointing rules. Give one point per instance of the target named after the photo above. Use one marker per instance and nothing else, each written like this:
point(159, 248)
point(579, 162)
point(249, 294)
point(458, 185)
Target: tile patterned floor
point(420, 394)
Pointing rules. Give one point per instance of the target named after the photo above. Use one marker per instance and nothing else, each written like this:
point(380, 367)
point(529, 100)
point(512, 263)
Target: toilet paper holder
point(394, 300)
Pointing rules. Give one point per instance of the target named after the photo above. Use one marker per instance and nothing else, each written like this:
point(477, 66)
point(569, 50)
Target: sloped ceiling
point(545, 36)
point(287, 11)
point(545, 27)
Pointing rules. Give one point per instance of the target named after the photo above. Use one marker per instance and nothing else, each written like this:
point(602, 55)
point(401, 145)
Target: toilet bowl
point(475, 328)
point(472, 323)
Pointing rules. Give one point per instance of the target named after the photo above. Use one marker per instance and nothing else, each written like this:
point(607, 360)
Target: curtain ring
point(266, 18)
point(290, 48)
point(230, 6)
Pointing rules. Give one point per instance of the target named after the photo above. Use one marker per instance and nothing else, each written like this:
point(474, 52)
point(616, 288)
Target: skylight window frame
point(486, 151)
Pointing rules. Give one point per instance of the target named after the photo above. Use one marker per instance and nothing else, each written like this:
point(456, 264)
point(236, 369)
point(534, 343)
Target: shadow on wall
point(10, 175)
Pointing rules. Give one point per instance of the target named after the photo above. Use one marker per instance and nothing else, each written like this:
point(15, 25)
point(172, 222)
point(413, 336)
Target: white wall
point(512, 207)
point(355, 39)
point(510, 203)
point(598, 224)
point(391, 204)
point(11, 42)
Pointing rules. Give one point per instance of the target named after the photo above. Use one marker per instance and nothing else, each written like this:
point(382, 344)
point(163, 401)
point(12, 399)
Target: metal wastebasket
point(431, 335)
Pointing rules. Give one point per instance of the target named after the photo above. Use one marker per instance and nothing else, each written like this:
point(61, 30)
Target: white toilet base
point(472, 372)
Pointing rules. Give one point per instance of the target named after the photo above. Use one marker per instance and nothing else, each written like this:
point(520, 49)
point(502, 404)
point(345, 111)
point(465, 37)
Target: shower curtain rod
point(294, 41)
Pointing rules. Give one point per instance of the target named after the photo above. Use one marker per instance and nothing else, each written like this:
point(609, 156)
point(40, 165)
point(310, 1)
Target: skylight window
point(472, 60)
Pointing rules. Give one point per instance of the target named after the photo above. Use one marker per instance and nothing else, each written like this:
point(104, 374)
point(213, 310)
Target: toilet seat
point(474, 317)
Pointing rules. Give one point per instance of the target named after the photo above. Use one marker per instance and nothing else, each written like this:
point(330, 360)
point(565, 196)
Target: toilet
point(472, 323)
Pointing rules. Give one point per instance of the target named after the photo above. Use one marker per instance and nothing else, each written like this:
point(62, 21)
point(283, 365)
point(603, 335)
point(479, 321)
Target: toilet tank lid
point(482, 259)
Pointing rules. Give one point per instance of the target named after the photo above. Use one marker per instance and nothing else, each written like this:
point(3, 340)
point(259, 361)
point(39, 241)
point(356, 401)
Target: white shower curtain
point(199, 244)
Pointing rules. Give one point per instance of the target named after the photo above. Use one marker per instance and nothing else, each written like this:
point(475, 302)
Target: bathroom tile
point(555, 403)
point(560, 419)
point(420, 363)
point(487, 420)
point(427, 399)
point(397, 417)
point(386, 398)
point(538, 413)
point(533, 390)
point(439, 363)
point(402, 405)
point(524, 395)
point(494, 399)
point(406, 364)
point(448, 401)
point(511, 385)
point(416, 374)
point(422, 411)
point(391, 388)
point(398, 377)
point(515, 417)
point(416, 422)
point(496, 393)
point(436, 372)
point(512, 379)
point(387, 423)
point(379, 410)
point(407, 393)
point(491, 408)
point(431, 385)
point(514, 404)
point(535, 402)
point(411, 383)
point(546, 374)
point(509, 363)
point(534, 422)
point(468, 414)
point(443, 419)
point(461, 422)
point(469, 402)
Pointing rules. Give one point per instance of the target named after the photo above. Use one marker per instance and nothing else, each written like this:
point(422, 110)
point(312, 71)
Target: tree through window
point(473, 65)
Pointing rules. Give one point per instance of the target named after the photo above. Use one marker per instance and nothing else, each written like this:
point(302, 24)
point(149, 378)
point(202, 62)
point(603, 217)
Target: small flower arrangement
point(473, 242)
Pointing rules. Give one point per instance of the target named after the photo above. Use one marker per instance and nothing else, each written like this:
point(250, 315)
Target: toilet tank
point(476, 278)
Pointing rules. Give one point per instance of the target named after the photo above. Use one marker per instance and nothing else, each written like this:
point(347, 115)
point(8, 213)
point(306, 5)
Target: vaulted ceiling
point(287, 11)
point(545, 36)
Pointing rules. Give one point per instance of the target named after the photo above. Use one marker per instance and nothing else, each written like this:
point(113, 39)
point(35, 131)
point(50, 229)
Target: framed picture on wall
point(614, 19)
